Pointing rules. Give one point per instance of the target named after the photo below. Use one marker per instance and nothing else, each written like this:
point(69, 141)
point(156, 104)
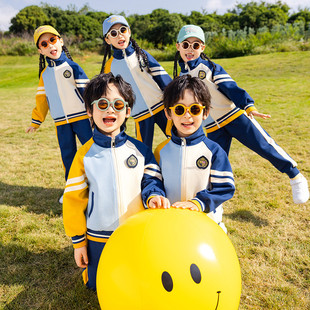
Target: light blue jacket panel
point(147, 86)
point(196, 168)
point(227, 98)
point(64, 84)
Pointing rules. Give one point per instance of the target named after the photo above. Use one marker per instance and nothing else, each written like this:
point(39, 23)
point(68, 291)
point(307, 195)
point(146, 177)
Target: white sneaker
point(61, 199)
point(300, 189)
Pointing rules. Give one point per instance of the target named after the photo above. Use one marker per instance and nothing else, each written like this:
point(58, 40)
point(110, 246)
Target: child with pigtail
point(60, 90)
point(232, 109)
point(146, 76)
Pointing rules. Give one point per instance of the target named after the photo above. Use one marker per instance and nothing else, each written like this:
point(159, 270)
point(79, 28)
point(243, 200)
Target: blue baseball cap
point(112, 20)
point(189, 31)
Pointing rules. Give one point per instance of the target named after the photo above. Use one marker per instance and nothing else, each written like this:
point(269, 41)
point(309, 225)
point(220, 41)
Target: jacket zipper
point(119, 194)
point(126, 60)
point(183, 178)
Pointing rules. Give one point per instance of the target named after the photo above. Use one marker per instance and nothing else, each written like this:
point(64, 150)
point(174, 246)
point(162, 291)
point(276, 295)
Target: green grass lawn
point(270, 233)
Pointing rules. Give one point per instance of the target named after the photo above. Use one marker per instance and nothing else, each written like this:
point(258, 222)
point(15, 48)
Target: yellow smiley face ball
point(164, 259)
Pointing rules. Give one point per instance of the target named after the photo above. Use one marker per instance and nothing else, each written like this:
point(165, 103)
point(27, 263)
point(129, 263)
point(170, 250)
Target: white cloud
point(6, 14)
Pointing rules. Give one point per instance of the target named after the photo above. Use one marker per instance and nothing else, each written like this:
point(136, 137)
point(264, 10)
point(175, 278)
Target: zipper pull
point(113, 143)
point(183, 142)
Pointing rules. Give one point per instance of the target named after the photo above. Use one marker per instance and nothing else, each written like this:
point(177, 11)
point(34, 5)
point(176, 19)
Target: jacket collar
point(57, 62)
point(190, 65)
point(105, 141)
point(119, 54)
point(193, 139)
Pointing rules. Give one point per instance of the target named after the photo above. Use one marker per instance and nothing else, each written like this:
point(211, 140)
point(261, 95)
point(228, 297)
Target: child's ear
point(107, 40)
point(128, 111)
point(89, 113)
point(167, 114)
point(177, 46)
point(205, 114)
point(61, 41)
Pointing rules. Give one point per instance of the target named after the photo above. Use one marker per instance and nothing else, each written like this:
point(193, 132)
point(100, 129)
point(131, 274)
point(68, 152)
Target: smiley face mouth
point(218, 299)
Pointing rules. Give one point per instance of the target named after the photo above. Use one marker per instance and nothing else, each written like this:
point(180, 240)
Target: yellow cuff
point(250, 109)
point(196, 203)
point(80, 244)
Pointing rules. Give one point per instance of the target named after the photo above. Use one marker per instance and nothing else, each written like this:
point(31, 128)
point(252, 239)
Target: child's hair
point(98, 86)
point(177, 57)
point(42, 63)
point(175, 91)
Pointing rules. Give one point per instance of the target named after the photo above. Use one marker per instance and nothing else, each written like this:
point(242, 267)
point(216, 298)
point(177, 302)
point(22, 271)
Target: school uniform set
point(228, 118)
point(60, 90)
point(110, 179)
point(196, 169)
point(148, 108)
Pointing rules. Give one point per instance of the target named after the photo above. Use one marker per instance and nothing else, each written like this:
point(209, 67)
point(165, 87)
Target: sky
point(9, 8)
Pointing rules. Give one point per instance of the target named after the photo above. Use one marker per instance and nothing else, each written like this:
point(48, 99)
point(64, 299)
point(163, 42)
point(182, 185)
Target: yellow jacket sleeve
point(76, 196)
point(41, 109)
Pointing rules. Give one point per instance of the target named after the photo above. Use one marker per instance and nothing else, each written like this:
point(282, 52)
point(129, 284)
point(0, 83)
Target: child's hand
point(31, 129)
point(158, 202)
point(80, 256)
point(185, 205)
point(257, 114)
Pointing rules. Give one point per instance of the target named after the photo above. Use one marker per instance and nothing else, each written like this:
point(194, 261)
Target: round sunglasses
point(103, 104)
point(45, 43)
point(116, 32)
point(180, 109)
point(195, 45)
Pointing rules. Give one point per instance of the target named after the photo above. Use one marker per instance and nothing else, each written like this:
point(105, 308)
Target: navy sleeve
point(230, 89)
point(80, 77)
point(222, 182)
point(160, 76)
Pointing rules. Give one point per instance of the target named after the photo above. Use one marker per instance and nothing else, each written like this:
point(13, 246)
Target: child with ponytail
point(147, 78)
point(232, 109)
point(60, 90)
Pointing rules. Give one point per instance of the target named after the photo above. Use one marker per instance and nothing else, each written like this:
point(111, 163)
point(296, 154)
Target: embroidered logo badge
point(67, 74)
point(202, 162)
point(202, 74)
point(132, 161)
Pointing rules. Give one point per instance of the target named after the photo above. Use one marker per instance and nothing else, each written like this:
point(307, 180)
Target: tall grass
point(270, 233)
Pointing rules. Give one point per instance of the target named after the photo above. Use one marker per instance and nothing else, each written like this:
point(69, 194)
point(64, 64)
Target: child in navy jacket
point(196, 171)
point(146, 76)
point(232, 110)
point(112, 175)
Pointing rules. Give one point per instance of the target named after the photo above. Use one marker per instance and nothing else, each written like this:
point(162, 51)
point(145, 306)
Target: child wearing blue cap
point(232, 109)
point(146, 76)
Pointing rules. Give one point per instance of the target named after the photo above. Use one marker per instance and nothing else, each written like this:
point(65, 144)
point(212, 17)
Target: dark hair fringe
point(142, 58)
point(177, 57)
point(42, 63)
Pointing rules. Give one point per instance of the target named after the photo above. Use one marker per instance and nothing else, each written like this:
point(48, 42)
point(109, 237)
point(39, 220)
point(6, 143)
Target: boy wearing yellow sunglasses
point(196, 171)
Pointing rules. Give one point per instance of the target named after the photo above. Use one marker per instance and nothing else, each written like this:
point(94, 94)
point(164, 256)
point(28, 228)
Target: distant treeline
point(251, 28)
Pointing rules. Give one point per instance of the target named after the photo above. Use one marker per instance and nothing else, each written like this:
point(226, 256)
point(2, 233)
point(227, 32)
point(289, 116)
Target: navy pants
point(66, 135)
point(145, 128)
point(252, 135)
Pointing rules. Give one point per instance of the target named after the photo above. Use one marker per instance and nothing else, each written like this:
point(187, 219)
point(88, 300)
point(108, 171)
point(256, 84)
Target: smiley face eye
point(167, 281)
point(195, 273)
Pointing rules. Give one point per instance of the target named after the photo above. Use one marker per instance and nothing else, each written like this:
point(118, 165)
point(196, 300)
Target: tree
point(28, 19)
point(164, 27)
point(257, 15)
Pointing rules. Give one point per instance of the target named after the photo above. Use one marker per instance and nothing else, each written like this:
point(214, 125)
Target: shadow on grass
point(35, 199)
point(47, 280)
point(248, 216)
